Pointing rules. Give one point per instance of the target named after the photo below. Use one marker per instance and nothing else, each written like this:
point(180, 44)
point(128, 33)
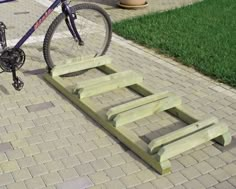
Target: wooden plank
point(125, 137)
point(100, 80)
point(112, 112)
point(186, 143)
point(122, 80)
point(74, 65)
point(138, 88)
point(224, 139)
point(146, 110)
point(156, 144)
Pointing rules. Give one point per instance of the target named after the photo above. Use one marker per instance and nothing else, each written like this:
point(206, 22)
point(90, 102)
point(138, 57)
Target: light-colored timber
point(108, 83)
point(160, 150)
point(112, 112)
point(146, 110)
point(157, 143)
point(74, 65)
point(186, 143)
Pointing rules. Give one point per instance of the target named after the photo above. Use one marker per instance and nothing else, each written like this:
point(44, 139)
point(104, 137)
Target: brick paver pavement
point(46, 142)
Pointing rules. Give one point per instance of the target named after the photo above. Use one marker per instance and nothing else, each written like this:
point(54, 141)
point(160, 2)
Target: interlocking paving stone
point(177, 178)
point(14, 154)
point(232, 181)
point(193, 184)
point(84, 169)
point(207, 180)
point(54, 166)
point(4, 147)
point(80, 183)
point(115, 160)
point(211, 151)
point(216, 162)
point(145, 186)
point(176, 165)
point(26, 162)
point(99, 177)
point(187, 160)
point(6, 179)
point(35, 183)
point(58, 154)
point(230, 169)
point(130, 168)
point(52, 179)
point(115, 172)
point(42, 158)
point(204, 167)
point(227, 157)
point(145, 175)
point(224, 185)
point(21, 175)
point(9, 166)
point(38, 170)
point(40, 107)
point(18, 185)
point(220, 175)
point(68, 174)
point(162, 183)
point(130, 181)
point(86, 157)
point(190, 173)
point(100, 165)
point(71, 161)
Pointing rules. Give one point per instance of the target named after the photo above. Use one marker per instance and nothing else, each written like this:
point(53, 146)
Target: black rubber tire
point(59, 19)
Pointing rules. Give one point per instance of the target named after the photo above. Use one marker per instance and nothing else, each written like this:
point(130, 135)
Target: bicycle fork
point(70, 22)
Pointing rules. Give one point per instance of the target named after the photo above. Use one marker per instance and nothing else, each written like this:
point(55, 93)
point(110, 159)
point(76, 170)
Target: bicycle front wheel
point(94, 27)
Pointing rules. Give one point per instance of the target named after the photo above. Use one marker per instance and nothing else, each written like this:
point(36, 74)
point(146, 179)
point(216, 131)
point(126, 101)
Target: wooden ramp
point(159, 151)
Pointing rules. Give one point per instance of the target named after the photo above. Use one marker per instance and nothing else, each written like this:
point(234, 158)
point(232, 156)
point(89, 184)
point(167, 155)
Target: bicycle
point(75, 25)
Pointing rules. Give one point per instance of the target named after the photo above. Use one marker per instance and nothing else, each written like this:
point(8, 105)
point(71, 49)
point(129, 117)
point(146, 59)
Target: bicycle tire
point(60, 18)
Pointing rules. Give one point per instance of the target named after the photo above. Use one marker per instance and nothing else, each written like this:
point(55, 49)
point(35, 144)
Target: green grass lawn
point(202, 36)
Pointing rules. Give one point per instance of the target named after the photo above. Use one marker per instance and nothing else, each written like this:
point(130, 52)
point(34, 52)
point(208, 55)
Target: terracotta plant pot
point(133, 2)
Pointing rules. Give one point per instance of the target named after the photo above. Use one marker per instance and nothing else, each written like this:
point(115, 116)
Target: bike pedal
point(18, 84)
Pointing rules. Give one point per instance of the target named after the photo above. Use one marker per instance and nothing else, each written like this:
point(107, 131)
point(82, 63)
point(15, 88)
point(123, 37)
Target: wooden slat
point(186, 143)
point(146, 110)
point(74, 65)
point(108, 83)
point(134, 104)
point(100, 80)
point(156, 144)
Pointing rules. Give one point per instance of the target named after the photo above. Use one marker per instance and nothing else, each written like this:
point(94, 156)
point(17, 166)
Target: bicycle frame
point(56, 3)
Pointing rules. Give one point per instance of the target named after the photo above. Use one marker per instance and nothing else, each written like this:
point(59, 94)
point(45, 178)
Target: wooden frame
point(160, 150)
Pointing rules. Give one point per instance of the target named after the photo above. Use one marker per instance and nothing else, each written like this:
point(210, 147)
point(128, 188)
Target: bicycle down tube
point(39, 22)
